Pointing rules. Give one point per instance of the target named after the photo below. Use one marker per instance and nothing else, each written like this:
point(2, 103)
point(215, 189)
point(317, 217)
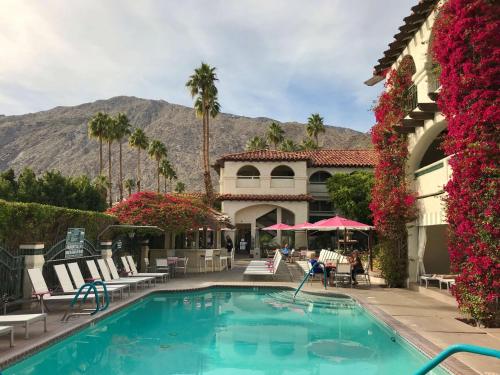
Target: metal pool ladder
point(87, 287)
point(307, 276)
point(457, 348)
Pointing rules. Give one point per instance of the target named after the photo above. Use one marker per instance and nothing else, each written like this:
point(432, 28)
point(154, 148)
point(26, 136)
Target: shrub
point(170, 212)
point(467, 47)
point(392, 205)
point(33, 222)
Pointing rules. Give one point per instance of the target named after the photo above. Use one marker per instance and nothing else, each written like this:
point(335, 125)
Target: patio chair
point(108, 266)
point(130, 268)
point(447, 280)
point(8, 330)
point(208, 257)
point(224, 259)
point(25, 320)
point(76, 274)
point(43, 294)
point(365, 275)
point(181, 265)
point(343, 274)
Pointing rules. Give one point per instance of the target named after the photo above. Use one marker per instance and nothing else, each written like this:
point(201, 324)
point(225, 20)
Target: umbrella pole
point(338, 239)
point(345, 240)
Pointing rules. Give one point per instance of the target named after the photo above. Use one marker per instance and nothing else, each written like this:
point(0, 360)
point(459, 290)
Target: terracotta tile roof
point(318, 158)
point(265, 197)
point(412, 23)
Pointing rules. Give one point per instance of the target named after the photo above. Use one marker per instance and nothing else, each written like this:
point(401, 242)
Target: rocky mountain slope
point(57, 138)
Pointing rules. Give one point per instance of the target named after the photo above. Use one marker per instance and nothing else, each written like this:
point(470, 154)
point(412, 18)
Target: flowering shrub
point(466, 45)
point(169, 212)
point(392, 204)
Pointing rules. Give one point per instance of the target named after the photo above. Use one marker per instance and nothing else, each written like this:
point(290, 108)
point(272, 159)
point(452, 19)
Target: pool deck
point(426, 322)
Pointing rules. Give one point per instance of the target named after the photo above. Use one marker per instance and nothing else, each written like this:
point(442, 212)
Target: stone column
point(278, 220)
point(106, 251)
point(144, 254)
point(33, 258)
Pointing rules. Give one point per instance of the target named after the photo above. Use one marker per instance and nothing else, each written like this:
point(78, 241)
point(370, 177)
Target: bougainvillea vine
point(466, 45)
point(169, 212)
point(393, 205)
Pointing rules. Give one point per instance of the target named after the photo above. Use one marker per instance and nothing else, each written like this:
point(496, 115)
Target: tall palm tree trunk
point(158, 176)
point(101, 167)
point(165, 184)
point(138, 169)
point(206, 158)
point(109, 175)
point(121, 172)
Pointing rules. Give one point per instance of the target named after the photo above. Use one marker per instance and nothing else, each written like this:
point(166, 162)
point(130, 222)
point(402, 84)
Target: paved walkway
point(409, 312)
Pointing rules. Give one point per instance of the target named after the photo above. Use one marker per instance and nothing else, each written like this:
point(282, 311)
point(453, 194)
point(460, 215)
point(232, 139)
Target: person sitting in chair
point(356, 266)
point(285, 251)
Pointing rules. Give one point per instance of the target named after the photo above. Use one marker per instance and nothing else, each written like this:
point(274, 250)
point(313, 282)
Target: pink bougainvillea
point(169, 212)
point(393, 205)
point(466, 45)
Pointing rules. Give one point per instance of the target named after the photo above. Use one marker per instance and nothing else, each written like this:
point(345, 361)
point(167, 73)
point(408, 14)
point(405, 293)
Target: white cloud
point(280, 58)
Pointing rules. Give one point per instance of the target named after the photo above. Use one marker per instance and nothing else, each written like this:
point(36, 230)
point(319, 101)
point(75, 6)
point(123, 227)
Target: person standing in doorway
point(229, 248)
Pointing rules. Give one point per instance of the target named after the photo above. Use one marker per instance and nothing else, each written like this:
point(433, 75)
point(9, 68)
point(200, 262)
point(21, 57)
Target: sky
point(282, 59)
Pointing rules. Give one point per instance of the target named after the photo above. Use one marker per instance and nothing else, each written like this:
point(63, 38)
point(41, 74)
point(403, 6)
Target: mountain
point(57, 138)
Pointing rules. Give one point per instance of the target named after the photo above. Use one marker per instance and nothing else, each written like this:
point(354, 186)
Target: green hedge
point(33, 222)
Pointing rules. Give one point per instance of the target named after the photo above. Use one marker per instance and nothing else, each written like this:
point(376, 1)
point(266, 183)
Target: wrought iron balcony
point(410, 99)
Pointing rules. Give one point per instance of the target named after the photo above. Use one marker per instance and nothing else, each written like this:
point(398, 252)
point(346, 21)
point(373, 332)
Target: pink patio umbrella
point(300, 226)
point(279, 226)
point(339, 223)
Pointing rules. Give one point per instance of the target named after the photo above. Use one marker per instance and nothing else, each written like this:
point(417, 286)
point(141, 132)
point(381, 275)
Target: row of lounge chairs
point(264, 267)
point(105, 270)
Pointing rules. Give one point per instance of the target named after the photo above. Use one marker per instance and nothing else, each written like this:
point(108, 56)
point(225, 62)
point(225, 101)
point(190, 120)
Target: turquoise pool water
point(231, 331)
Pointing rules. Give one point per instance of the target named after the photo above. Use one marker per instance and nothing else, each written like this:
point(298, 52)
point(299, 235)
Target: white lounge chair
point(264, 262)
point(131, 269)
point(108, 266)
point(68, 287)
point(25, 320)
point(77, 276)
point(429, 277)
point(106, 276)
point(180, 265)
point(8, 330)
point(264, 271)
point(41, 291)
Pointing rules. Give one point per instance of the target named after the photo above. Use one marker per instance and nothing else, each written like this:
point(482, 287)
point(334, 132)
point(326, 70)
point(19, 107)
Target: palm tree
point(129, 185)
point(102, 185)
point(308, 144)
point(180, 187)
point(96, 127)
point(167, 171)
point(288, 145)
point(315, 126)
point(122, 127)
point(109, 135)
point(201, 86)
point(138, 140)
point(157, 151)
point(256, 144)
point(275, 134)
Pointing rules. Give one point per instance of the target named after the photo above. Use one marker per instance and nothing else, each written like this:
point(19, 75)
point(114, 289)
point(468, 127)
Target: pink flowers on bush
point(393, 205)
point(169, 212)
point(466, 45)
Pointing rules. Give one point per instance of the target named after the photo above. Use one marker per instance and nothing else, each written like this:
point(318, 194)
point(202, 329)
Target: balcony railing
point(410, 99)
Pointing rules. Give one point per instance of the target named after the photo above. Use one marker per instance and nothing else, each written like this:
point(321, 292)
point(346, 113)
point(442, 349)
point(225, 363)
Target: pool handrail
point(308, 273)
point(105, 291)
point(457, 348)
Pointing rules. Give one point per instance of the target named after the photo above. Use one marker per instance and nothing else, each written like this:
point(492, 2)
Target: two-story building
point(427, 167)
point(262, 188)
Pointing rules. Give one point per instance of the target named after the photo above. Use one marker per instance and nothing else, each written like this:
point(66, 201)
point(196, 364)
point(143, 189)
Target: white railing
point(282, 182)
point(248, 182)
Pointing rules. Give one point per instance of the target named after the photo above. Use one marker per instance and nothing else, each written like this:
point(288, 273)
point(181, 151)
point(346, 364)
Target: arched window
point(319, 177)
point(248, 172)
point(434, 151)
point(282, 172)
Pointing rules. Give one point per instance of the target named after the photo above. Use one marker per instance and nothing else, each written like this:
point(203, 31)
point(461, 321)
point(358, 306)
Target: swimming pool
point(231, 331)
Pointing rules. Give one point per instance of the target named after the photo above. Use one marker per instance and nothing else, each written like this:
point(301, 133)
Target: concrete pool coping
point(64, 330)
